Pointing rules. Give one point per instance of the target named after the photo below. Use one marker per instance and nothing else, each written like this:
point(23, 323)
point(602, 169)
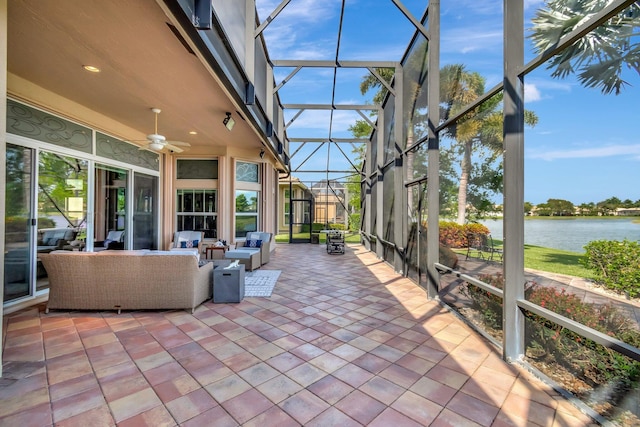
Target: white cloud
point(293, 34)
point(531, 93)
point(632, 151)
point(470, 39)
point(299, 10)
point(320, 119)
point(551, 84)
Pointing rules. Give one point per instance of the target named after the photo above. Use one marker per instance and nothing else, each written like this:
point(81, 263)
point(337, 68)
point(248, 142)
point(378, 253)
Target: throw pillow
point(51, 241)
point(106, 243)
point(254, 243)
point(189, 244)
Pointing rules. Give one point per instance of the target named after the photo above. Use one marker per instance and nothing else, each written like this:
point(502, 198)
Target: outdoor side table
point(215, 252)
point(228, 284)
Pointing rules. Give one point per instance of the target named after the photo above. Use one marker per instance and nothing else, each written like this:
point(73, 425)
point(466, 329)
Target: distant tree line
point(559, 207)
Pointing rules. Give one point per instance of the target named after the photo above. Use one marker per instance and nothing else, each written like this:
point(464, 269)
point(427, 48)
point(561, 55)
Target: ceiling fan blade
point(174, 148)
point(179, 143)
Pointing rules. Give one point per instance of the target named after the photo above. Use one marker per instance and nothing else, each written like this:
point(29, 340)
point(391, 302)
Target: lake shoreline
point(570, 233)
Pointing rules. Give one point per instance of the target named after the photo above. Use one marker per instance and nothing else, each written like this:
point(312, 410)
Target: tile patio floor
point(343, 341)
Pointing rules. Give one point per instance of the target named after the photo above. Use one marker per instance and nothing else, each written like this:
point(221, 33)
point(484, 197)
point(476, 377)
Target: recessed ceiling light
point(91, 68)
point(193, 132)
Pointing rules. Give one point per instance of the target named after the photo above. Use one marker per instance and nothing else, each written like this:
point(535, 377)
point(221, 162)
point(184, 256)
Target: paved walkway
point(578, 286)
point(343, 341)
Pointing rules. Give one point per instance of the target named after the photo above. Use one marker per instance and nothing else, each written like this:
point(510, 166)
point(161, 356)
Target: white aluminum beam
point(411, 18)
point(329, 107)
point(270, 18)
point(333, 64)
point(358, 140)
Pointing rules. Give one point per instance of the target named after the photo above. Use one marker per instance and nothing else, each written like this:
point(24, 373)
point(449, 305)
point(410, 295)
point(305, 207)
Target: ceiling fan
point(156, 142)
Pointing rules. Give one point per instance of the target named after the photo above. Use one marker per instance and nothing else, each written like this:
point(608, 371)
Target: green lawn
point(555, 261)
point(551, 260)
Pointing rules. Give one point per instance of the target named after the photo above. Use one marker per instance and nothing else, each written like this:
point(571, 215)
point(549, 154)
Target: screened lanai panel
point(416, 160)
point(373, 149)
point(389, 132)
point(415, 91)
point(374, 209)
point(472, 37)
point(232, 17)
point(416, 246)
point(260, 74)
point(582, 206)
point(389, 198)
point(471, 195)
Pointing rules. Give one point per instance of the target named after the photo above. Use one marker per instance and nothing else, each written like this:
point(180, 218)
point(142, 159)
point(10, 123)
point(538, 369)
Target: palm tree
point(597, 58)
point(480, 128)
point(458, 88)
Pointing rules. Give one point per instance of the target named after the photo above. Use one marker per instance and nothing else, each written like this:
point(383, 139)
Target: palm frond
point(598, 58)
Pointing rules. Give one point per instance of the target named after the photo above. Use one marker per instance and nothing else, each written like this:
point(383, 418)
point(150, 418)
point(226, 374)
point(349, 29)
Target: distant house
point(330, 202)
point(627, 212)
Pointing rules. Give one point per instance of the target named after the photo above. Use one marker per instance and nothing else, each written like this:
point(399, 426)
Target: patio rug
point(260, 283)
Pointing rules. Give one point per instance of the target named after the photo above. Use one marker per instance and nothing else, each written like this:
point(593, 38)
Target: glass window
point(197, 210)
point(197, 169)
point(287, 211)
point(246, 212)
point(247, 172)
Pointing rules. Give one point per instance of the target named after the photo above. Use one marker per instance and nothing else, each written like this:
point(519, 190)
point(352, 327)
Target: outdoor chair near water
point(481, 246)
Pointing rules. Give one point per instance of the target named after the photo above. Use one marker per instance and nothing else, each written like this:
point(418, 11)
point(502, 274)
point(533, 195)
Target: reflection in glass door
point(110, 205)
point(62, 206)
point(145, 216)
point(18, 223)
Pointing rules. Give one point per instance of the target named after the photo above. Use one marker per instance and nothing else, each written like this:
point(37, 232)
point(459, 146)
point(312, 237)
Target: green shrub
point(454, 235)
point(354, 222)
point(17, 230)
point(616, 264)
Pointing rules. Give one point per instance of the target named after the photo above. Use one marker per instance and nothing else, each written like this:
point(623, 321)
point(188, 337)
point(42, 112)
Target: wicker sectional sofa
point(126, 280)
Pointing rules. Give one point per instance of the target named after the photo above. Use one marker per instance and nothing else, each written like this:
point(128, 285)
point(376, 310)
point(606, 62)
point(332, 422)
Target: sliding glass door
point(62, 207)
point(145, 216)
point(110, 203)
point(18, 222)
point(41, 216)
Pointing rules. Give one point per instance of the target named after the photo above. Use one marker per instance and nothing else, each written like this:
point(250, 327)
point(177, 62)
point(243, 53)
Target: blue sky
point(586, 146)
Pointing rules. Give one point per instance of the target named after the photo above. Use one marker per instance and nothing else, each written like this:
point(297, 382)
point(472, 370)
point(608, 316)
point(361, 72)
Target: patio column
point(400, 197)
point(379, 187)
point(513, 220)
point(433, 153)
